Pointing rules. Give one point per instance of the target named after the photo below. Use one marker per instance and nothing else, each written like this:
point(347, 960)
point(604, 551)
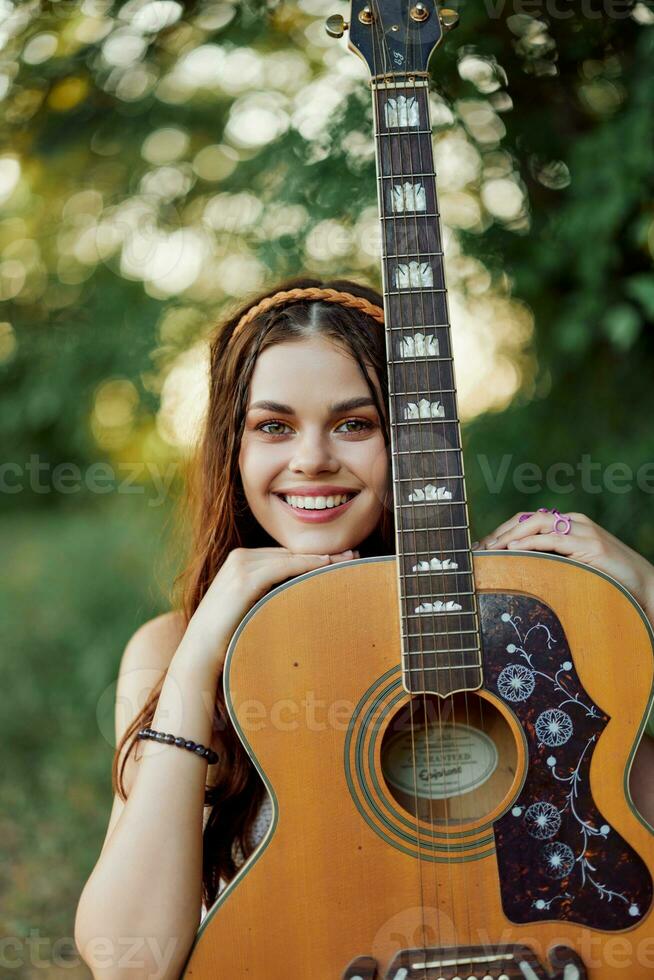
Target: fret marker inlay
point(402, 112)
point(413, 275)
point(438, 606)
point(424, 409)
point(431, 493)
point(420, 345)
point(435, 565)
point(409, 197)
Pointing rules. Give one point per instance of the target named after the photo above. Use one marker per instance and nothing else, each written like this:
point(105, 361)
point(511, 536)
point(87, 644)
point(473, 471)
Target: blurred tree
point(557, 107)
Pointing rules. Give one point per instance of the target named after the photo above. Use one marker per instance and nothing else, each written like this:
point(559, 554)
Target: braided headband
point(311, 292)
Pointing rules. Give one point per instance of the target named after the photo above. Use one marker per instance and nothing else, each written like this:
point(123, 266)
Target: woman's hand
point(586, 542)
point(245, 576)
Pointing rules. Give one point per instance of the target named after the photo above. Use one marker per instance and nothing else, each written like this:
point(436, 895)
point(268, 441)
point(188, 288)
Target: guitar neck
point(440, 624)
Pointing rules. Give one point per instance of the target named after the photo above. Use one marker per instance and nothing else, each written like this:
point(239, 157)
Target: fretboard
point(439, 617)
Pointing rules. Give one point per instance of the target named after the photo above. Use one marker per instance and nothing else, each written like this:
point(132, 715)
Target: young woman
point(293, 474)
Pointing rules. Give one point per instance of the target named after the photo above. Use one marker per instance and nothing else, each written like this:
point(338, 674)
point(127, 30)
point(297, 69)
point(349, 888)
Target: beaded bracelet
point(182, 743)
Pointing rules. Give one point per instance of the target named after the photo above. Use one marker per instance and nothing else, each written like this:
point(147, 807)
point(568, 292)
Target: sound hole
point(449, 760)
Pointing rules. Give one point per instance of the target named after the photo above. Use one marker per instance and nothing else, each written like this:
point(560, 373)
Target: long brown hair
point(221, 520)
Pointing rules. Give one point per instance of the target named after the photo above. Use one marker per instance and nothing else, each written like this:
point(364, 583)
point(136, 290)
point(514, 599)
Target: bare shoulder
point(154, 643)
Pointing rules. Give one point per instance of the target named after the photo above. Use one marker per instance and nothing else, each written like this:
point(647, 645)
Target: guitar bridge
point(472, 963)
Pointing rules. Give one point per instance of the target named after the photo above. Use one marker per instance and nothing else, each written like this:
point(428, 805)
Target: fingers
point(560, 544)
point(516, 530)
point(323, 559)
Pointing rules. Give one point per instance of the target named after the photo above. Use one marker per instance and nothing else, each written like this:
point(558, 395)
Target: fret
point(445, 666)
point(452, 594)
point(411, 653)
point(405, 176)
point(429, 551)
point(449, 527)
point(417, 256)
point(414, 504)
point(412, 452)
point(397, 327)
point(432, 357)
point(441, 391)
point(435, 419)
point(414, 215)
point(437, 653)
point(409, 131)
point(419, 289)
point(429, 633)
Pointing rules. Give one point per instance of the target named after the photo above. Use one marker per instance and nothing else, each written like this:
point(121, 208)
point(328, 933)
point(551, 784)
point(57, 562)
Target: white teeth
point(317, 503)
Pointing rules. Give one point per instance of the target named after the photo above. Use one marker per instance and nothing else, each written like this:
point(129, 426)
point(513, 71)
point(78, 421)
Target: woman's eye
point(359, 422)
point(263, 425)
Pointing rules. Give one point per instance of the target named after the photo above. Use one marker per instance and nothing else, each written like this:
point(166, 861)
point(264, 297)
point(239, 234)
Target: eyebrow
point(346, 406)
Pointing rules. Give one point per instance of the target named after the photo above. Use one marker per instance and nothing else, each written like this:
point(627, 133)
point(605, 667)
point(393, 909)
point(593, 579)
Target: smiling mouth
point(318, 510)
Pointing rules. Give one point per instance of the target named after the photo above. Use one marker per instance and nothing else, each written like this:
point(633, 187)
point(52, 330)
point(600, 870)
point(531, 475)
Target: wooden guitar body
point(513, 834)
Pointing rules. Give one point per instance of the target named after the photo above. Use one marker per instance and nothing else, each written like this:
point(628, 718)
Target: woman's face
point(309, 444)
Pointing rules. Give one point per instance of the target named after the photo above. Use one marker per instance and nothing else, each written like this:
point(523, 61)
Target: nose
point(313, 454)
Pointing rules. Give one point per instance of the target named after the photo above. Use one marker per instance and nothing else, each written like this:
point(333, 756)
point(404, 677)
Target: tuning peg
point(449, 19)
point(336, 25)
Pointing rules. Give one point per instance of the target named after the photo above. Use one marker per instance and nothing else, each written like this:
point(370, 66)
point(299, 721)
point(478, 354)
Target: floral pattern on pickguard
point(558, 858)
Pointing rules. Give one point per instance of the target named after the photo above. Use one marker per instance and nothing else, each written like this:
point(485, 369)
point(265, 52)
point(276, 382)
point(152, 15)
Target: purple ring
point(561, 519)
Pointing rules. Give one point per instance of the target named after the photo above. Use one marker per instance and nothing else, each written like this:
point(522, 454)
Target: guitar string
point(418, 289)
point(391, 341)
point(425, 365)
point(458, 494)
point(460, 505)
point(406, 306)
point(423, 109)
point(413, 289)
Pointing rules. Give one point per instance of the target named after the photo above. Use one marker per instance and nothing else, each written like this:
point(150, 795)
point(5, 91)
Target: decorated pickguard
point(558, 858)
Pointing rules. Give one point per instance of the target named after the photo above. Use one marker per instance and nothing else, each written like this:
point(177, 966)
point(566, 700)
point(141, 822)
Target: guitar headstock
point(394, 37)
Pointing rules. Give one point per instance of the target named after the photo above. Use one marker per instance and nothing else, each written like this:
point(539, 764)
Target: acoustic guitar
point(446, 736)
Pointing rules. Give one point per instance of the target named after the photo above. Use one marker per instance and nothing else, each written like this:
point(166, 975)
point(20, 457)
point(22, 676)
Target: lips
point(315, 516)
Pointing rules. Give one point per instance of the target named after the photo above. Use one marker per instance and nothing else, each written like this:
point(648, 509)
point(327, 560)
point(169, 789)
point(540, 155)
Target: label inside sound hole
point(451, 761)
